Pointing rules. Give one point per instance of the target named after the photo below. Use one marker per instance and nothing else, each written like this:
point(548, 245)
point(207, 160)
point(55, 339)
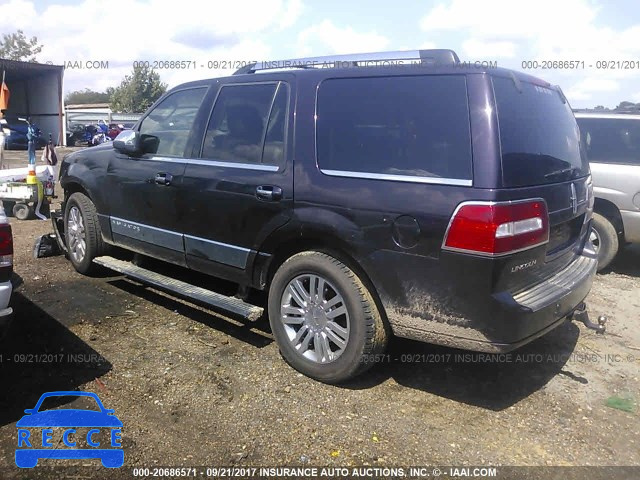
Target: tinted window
point(248, 124)
point(416, 126)
point(165, 131)
point(538, 134)
point(611, 140)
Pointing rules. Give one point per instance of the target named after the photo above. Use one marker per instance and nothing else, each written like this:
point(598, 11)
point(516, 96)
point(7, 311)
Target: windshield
point(539, 136)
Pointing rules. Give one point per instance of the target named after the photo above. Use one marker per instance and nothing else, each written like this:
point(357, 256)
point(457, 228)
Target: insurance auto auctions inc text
point(351, 472)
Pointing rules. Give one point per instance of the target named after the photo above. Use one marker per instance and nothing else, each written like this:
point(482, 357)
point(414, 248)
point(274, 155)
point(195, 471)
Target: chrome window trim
point(399, 178)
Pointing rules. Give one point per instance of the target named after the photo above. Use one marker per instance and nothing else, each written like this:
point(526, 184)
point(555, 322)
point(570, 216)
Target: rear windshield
point(539, 136)
point(611, 140)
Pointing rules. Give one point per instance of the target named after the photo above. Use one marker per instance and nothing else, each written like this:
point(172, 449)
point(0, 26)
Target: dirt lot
point(195, 388)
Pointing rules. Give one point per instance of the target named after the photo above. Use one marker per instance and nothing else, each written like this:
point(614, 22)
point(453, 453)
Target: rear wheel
point(83, 234)
point(605, 240)
point(324, 319)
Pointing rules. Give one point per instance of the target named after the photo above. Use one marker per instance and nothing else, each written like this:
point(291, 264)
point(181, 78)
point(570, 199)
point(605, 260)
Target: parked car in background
point(6, 272)
point(612, 143)
point(16, 136)
point(114, 130)
point(75, 134)
point(454, 209)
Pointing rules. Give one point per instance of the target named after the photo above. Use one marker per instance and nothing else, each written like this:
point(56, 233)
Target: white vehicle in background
point(612, 142)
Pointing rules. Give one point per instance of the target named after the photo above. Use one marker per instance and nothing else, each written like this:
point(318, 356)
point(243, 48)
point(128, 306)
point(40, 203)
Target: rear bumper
point(631, 222)
point(504, 321)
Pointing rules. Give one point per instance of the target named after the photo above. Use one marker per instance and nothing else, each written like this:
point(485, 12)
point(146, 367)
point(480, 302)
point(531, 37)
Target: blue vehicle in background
point(16, 136)
point(33, 447)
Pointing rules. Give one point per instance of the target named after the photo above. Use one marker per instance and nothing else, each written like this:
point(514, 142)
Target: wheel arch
point(318, 240)
point(610, 211)
point(74, 185)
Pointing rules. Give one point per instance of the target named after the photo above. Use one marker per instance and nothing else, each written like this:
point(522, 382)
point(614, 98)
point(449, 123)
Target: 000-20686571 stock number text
point(580, 64)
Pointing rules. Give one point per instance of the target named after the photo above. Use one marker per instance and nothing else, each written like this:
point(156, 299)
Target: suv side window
point(248, 124)
point(413, 126)
point(611, 140)
point(166, 129)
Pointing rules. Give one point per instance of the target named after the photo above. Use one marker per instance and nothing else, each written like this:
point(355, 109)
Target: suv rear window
point(611, 140)
point(404, 128)
point(539, 136)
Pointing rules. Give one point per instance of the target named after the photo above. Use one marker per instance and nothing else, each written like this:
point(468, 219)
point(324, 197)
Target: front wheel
point(83, 234)
point(324, 319)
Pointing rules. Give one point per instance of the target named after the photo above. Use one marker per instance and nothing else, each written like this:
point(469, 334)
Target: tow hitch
point(580, 314)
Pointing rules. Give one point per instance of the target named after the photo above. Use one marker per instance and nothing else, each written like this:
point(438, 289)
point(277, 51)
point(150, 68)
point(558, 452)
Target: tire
point(22, 211)
point(349, 333)
point(82, 233)
point(605, 239)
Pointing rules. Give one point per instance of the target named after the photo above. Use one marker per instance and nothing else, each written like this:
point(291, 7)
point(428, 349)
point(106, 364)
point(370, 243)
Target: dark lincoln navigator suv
point(401, 193)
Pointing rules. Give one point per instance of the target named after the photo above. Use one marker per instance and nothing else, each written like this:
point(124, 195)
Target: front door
point(145, 191)
point(241, 188)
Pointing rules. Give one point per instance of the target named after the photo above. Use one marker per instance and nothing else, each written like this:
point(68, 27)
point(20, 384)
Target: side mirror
point(29, 411)
point(128, 142)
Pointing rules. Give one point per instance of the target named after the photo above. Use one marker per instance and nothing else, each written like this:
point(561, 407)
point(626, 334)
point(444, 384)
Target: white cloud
point(293, 11)
point(17, 14)
point(474, 49)
point(428, 46)
point(542, 30)
point(150, 30)
point(585, 89)
point(500, 20)
point(326, 38)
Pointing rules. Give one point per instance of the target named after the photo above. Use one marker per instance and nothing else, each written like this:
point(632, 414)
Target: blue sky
point(507, 32)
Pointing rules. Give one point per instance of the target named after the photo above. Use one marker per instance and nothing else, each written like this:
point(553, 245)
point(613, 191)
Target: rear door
point(145, 192)
point(240, 189)
point(542, 158)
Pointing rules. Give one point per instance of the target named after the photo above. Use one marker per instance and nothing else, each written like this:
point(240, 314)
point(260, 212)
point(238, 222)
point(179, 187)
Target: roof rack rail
point(436, 56)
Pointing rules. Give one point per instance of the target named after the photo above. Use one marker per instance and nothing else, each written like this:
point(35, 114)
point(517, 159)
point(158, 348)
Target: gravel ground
point(195, 388)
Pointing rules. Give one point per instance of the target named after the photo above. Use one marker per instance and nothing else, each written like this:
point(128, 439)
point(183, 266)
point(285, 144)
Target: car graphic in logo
point(33, 446)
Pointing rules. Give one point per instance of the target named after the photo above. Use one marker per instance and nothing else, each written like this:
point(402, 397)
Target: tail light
point(486, 228)
point(6, 247)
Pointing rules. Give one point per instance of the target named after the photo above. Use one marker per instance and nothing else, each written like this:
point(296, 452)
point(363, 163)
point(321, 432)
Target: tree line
point(136, 92)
